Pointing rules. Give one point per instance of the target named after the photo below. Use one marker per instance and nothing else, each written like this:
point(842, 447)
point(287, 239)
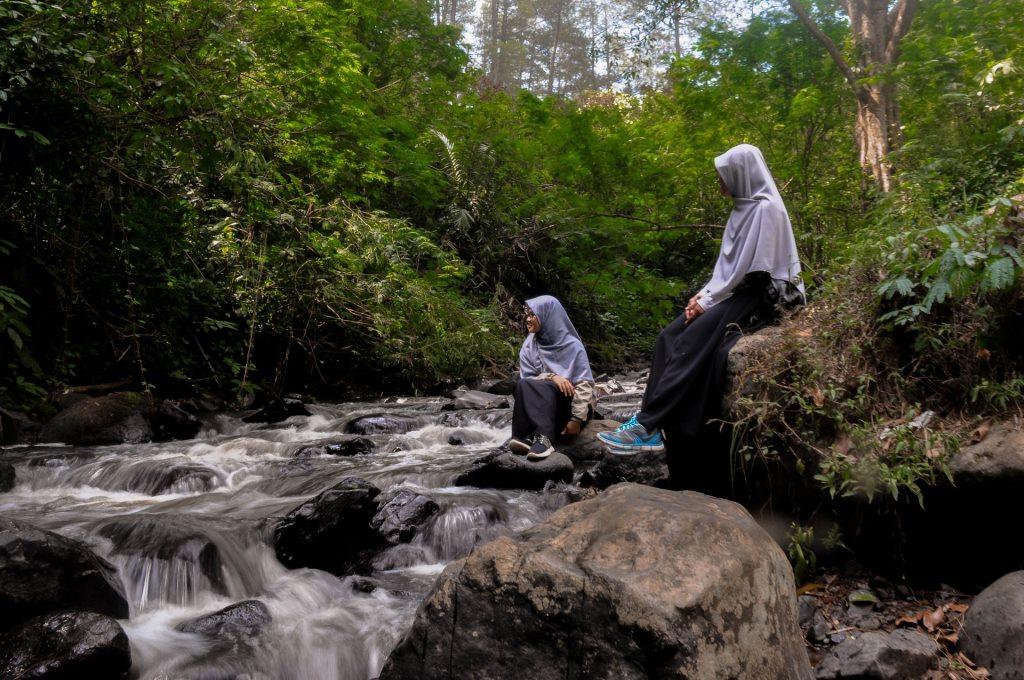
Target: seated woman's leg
point(688, 368)
point(661, 354)
point(537, 409)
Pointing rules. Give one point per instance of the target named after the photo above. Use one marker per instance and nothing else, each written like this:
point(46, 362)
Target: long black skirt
point(685, 385)
point(539, 409)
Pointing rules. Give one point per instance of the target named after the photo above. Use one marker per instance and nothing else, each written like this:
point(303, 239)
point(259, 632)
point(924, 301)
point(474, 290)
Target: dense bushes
point(305, 195)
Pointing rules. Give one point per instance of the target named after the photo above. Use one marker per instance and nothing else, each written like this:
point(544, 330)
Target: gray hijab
point(758, 235)
point(557, 347)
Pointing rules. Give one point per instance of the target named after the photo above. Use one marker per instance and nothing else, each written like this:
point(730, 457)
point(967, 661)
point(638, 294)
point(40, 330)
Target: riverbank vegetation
point(257, 198)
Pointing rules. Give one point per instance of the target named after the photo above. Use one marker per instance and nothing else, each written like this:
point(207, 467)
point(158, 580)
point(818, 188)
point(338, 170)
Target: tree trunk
point(553, 63)
point(876, 33)
point(676, 19)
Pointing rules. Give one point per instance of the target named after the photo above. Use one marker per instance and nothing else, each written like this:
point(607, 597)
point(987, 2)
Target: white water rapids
point(186, 524)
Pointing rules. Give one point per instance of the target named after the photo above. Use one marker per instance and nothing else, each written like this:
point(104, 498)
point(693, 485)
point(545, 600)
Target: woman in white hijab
point(758, 258)
point(555, 394)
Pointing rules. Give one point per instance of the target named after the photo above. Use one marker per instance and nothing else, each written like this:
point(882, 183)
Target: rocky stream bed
point(395, 538)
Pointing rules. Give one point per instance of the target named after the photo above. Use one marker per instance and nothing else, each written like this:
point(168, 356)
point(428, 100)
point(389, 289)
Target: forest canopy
point(261, 197)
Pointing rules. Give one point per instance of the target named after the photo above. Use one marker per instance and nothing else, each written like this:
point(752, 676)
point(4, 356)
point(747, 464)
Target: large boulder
point(118, 418)
point(993, 632)
point(331, 531)
point(999, 457)
point(42, 572)
point(7, 476)
point(742, 357)
point(501, 469)
point(66, 645)
point(899, 655)
point(635, 583)
point(586, 446)
point(277, 410)
point(16, 428)
point(645, 467)
point(239, 620)
point(399, 518)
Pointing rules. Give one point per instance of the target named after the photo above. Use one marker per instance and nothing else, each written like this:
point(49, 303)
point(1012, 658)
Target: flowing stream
point(186, 524)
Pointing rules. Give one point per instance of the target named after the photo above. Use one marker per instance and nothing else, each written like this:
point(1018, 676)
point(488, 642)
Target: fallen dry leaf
point(909, 619)
point(818, 396)
point(984, 354)
point(808, 588)
point(931, 620)
point(957, 607)
point(949, 641)
point(980, 432)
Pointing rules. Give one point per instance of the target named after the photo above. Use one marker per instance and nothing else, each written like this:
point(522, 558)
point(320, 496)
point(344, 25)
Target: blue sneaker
point(632, 438)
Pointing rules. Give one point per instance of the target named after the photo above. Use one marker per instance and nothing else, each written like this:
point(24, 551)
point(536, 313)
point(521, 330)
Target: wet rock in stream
point(501, 469)
point(66, 646)
point(474, 400)
point(386, 424)
point(42, 572)
point(635, 583)
point(399, 518)
point(171, 421)
point(586, 446)
point(347, 446)
point(278, 410)
point(646, 467)
point(239, 620)
point(7, 476)
point(331, 531)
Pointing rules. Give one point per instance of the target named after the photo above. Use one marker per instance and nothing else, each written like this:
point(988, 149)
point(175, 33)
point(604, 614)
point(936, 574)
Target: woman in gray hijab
point(757, 263)
point(555, 394)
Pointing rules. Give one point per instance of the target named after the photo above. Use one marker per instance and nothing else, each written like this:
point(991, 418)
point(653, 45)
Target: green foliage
point(801, 551)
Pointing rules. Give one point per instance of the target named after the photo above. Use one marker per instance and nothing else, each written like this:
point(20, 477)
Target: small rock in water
point(278, 410)
point(385, 424)
point(6, 476)
point(472, 399)
point(807, 607)
point(66, 645)
point(349, 446)
point(501, 469)
point(456, 440)
point(171, 421)
point(899, 655)
point(118, 418)
point(242, 619)
point(399, 518)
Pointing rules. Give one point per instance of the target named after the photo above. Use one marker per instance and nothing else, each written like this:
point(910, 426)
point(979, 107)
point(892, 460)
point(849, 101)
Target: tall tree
point(876, 30)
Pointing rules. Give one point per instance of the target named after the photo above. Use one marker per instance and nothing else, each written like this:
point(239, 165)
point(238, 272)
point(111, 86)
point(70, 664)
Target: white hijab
point(758, 235)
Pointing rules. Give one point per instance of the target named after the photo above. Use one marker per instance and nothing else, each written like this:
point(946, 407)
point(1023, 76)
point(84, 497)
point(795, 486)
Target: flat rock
point(66, 645)
point(997, 457)
point(646, 467)
point(386, 424)
point(586, 446)
point(331, 531)
point(993, 631)
point(501, 469)
point(242, 619)
point(505, 386)
point(635, 583)
point(42, 572)
point(346, 446)
point(475, 400)
point(117, 418)
point(278, 410)
point(899, 655)
point(399, 518)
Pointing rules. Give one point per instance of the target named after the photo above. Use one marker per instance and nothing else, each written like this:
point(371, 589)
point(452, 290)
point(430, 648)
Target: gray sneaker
point(541, 448)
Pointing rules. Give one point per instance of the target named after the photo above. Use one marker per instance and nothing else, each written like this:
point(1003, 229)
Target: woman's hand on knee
point(693, 308)
point(564, 385)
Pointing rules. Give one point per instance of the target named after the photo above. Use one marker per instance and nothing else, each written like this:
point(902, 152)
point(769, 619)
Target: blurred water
point(186, 524)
